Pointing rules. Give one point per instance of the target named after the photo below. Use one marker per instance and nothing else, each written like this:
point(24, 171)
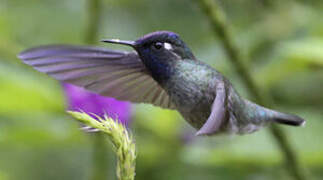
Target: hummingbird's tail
point(269, 115)
point(288, 119)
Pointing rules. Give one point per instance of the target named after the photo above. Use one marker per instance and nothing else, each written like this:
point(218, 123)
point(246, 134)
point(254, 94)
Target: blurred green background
point(283, 43)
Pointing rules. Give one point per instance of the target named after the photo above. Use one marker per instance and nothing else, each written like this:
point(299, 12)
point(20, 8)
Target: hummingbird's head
point(158, 46)
point(159, 51)
point(163, 46)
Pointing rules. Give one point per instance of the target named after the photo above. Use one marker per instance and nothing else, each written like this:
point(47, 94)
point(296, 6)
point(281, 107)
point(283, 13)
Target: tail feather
point(289, 119)
point(270, 115)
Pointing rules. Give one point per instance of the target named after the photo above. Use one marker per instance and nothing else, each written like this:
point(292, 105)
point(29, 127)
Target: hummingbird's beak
point(118, 41)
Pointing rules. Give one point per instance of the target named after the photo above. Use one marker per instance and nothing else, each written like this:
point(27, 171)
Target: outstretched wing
point(118, 74)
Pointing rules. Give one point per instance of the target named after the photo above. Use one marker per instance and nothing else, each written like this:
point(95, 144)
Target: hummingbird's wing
point(218, 112)
point(118, 74)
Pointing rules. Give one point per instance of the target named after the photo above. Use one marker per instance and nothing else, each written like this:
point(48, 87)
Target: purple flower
point(81, 100)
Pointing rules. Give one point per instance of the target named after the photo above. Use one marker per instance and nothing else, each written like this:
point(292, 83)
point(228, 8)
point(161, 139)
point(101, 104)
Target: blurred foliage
point(283, 43)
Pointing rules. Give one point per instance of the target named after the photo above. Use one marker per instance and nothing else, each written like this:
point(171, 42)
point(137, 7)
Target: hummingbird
point(163, 71)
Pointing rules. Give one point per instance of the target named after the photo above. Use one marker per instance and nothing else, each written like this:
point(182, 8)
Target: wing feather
point(118, 74)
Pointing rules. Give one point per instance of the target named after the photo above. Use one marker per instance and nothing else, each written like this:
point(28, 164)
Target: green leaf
point(26, 91)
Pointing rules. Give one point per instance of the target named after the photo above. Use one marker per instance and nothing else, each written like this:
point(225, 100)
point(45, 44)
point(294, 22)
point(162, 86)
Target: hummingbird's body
point(163, 71)
point(192, 89)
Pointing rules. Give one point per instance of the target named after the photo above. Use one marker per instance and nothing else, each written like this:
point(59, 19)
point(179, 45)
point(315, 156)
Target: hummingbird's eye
point(158, 45)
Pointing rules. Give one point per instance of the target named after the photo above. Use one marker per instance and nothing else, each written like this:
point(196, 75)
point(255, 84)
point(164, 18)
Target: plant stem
point(122, 142)
point(100, 151)
point(221, 29)
point(93, 18)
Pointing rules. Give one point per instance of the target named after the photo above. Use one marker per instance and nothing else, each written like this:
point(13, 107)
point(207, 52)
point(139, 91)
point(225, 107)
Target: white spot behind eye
point(168, 46)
